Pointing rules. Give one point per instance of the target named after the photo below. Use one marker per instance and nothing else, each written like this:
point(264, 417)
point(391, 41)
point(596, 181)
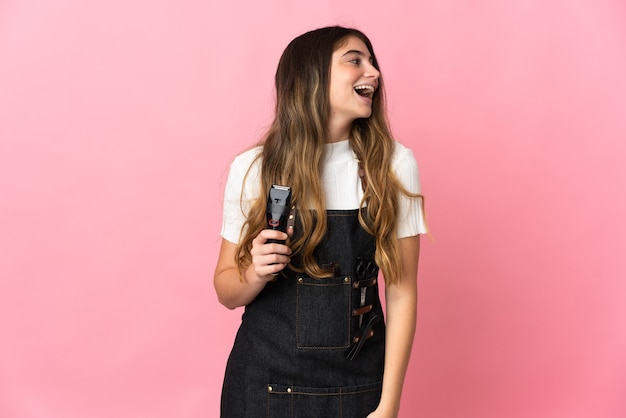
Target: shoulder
point(242, 162)
point(402, 155)
point(403, 159)
point(404, 166)
point(243, 175)
point(242, 187)
point(411, 220)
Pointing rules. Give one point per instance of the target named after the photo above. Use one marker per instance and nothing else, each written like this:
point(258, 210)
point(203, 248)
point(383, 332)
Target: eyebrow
point(359, 53)
point(354, 51)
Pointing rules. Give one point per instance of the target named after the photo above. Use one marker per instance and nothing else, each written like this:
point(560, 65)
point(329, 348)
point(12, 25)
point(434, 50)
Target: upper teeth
point(365, 87)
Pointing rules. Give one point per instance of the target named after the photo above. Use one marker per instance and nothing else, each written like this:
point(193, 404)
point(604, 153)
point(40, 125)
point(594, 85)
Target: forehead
point(351, 43)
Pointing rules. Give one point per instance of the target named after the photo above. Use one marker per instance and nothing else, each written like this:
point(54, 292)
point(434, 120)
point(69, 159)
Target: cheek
point(337, 96)
point(341, 90)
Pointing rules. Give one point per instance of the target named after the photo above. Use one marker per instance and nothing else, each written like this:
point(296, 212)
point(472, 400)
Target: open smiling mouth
point(365, 91)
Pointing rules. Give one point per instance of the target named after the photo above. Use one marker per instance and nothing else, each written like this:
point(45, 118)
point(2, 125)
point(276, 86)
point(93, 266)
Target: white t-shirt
point(341, 183)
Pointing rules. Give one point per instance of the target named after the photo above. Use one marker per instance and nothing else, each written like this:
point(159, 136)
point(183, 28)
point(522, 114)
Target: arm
point(401, 301)
point(267, 259)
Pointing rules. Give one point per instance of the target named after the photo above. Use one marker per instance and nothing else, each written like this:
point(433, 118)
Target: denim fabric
point(289, 356)
point(302, 402)
point(311, 315)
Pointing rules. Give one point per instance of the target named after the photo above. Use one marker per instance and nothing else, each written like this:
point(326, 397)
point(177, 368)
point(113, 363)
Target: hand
point(378, 413)
point(269, 258)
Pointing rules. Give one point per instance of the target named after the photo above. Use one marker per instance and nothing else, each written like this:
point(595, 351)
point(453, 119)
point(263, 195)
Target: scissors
point(366, 274)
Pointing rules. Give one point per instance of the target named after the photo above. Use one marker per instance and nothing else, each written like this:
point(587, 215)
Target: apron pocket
point(323, 312)
point(303, 402)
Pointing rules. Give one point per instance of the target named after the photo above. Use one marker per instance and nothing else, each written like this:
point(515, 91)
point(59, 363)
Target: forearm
point(401, 319)
point(401, 304)
point(233, 290)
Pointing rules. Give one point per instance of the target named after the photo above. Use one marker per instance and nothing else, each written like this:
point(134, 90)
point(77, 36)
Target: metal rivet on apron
point(355, 285)
point(269, 388)
point(356, 339)
point(300, 280)
point(288, 390)
point(290, 216)
point(346, 279)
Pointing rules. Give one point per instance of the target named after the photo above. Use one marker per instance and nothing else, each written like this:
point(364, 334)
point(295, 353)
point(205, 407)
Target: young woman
point(312, 342)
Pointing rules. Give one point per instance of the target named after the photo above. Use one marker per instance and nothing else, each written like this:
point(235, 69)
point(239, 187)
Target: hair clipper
point(278, 207)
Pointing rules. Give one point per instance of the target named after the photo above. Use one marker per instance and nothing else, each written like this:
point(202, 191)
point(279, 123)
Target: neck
point(338, 130)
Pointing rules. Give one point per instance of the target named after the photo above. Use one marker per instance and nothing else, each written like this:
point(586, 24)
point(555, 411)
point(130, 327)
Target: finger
point(269, 259)
point(261, 263)
point(272, 234)
point(266, 250)
point(260, 246)
point(267, 272)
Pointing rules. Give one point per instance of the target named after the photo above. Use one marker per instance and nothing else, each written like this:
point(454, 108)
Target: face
point(353, 81)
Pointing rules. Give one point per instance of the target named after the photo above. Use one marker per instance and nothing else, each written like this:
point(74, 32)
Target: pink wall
point(117, 123)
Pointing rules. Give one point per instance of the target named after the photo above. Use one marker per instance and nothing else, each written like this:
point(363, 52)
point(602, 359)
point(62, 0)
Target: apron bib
point(311, 347)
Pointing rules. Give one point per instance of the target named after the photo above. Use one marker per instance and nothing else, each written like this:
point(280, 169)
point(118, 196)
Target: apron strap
point(362, 175)
point(291, 220)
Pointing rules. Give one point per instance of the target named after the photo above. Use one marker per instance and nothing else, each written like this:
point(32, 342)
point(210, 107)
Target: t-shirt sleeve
point(411, 219)
point(238, 196)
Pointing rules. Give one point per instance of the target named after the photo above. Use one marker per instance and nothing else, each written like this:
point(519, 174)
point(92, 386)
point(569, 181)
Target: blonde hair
point(292, 154)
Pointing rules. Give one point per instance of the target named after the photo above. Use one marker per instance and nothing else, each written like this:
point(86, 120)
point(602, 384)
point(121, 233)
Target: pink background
point(118, 121)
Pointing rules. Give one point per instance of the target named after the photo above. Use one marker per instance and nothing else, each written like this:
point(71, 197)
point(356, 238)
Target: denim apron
point(311, 347)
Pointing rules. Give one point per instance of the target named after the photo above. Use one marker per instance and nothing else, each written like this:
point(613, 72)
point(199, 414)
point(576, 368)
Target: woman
point(312, 340)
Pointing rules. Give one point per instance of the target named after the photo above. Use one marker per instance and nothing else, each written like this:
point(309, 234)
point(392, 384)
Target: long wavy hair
point(293, 147)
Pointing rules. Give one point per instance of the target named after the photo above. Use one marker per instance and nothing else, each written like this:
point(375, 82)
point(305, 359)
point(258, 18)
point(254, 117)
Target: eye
point(356, 61)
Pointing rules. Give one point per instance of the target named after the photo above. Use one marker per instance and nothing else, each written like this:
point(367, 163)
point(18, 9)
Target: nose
point(371, 71)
